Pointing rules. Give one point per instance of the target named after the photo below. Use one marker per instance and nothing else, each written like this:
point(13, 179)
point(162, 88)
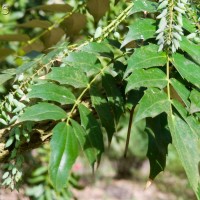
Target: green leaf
point(35, 23)
point(192, 122)
point(152, 104)
point(93, 129)
point(64, 151)
point(141, 29)
point(98, 8)
point(4, 52)
point(144, 5)
point(29, 64)
point(181, 90)
point(187, 146)
point(87, 62)
point(14, 37)
point(55, 8)
point(101, 49)
point(187, 25)
point(114, 96)
point(145, 57)
point(4, 78)
point(187, 69)
point(195, 101)
point(86, 142)
point(146, 78)
point(159, 139)
point(43, 111)
point(103, 109)
point(52, 92)
point(69, 76)
point(192, 49)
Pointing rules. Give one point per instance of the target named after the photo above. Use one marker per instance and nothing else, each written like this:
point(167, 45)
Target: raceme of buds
point(169, 33)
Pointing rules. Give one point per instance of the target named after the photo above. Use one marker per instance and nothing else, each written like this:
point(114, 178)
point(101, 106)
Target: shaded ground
point(107, 187)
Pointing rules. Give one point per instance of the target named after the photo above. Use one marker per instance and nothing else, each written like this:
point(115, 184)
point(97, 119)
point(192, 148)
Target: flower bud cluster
point(169, 33)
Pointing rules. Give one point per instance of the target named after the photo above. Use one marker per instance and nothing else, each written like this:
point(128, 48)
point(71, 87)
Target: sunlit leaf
point(64, 151)
point(43, 111)
point(145, 57)
point(52, 92)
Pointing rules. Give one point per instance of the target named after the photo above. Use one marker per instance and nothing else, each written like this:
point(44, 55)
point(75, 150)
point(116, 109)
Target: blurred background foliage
point(24, 35)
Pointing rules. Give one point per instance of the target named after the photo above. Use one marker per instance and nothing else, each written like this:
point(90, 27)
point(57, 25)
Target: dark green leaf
point(141, 29)
point(86, 143)
point(52, 92)
point(69, 76)
point(159, 139)
point(114, 96)
point(64, 151)
point(43, 111)
point(144, 5)
point(93, 130)
point(187, 69)
point(146, 57)
point(103, 109)
point(146, 78)
point(152, 103)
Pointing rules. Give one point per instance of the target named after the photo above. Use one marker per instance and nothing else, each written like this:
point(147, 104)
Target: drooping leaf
point(74, 24)
point(15, 37)
point(144, 5)
point(141, 29)
point(55, 8)
point(87, 62)
point(114, 96)
point(153, 77)
point(93, 129)
point(98, 8)
point(195, 101)
point(153, 103)
point(86, 142)
point(35, 23)
point(187, 69)
point(181, 90)
point(43, 111)
point(69, 76)
point(37, 45)
point(192, 49)
point(4, 52)
point(64, 151)
point(52, 92)
point(145, 57)
point(159, 139)
point(52, 37)
point(187, 146)
point(103, 109)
